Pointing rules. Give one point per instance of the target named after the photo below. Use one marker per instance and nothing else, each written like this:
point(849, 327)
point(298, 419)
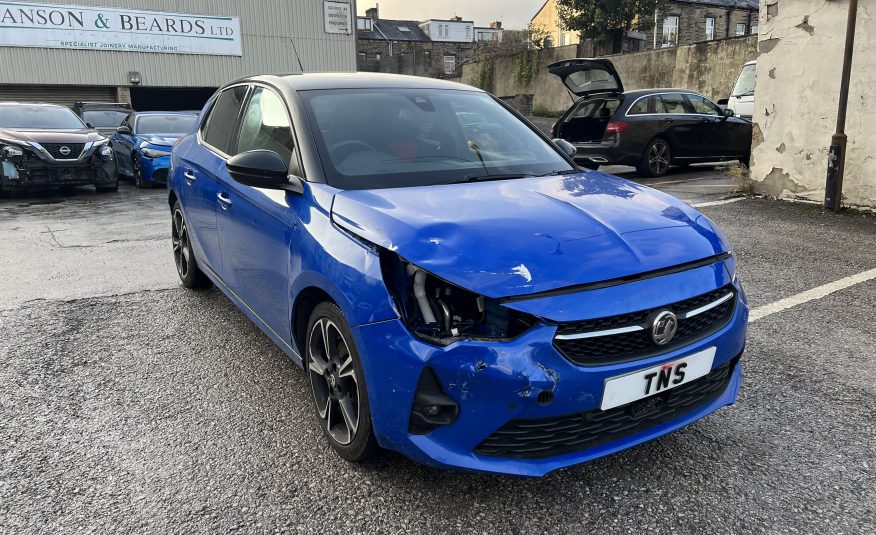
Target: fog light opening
point(545, 397)
point(432, 407)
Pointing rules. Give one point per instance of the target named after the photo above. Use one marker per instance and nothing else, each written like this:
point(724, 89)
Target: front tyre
point(186, 265)
point(656, 159)
point(138, 174)
point(338, 384)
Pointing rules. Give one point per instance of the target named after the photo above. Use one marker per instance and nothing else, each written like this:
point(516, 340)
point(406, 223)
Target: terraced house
point(683, 22)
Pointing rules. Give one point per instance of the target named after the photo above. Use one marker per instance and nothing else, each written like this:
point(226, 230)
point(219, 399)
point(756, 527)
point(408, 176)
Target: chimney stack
point(373, 13)
point(456, 18)
point(497, 25)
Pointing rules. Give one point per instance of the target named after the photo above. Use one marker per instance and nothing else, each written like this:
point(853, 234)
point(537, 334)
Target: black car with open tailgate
point(651, 129)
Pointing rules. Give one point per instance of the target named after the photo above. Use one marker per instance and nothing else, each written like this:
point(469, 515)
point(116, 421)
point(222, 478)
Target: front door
point(257, 226)
point(123, 146)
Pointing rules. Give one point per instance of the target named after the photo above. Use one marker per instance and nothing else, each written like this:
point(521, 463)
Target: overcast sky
point(514, 14)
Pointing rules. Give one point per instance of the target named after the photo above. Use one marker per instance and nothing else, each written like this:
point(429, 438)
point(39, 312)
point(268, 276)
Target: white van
point(742, 98)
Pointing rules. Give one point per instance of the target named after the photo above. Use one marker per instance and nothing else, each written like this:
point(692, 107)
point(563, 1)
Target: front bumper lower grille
point(549, 437)
point(627, 337)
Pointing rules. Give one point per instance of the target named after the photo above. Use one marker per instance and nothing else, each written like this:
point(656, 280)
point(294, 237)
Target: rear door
point(681, 125)
point(584, 77)
point(203, 165)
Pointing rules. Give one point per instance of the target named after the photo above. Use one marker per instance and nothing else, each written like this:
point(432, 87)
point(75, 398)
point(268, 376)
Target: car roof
point(357, 80)
point(41, 104)
point(644, 92)
point(139, 113)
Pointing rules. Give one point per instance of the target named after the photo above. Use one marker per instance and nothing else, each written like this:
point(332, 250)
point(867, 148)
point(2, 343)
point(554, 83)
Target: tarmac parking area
point(129, 404)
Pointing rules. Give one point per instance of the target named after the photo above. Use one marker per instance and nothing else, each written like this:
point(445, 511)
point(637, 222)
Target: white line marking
point(719, 203)
point(810, 295)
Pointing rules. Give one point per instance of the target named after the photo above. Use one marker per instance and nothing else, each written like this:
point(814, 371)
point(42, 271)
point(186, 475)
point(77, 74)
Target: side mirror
point(89, 125)
point(263, 169)
point(729, 113)
point(124, 130)
point(566, 147)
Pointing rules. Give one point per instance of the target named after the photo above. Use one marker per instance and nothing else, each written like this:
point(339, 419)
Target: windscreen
point(39, 118)
point(166, 124)
point(104, 118)
point(385, 138)
point(745, 82)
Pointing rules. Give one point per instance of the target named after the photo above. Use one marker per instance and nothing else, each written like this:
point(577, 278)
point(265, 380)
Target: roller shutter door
point(57, 94)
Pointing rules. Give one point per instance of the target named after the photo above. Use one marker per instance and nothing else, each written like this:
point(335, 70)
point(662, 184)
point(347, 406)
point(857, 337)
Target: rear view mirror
point(262, 169)
point(123, 130)
point(566, 147)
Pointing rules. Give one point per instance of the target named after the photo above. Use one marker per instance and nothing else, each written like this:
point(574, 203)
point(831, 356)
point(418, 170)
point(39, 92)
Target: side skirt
point(255, 318)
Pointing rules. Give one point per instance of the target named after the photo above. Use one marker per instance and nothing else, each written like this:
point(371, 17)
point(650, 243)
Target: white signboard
point(105, 28)
point(338, 17)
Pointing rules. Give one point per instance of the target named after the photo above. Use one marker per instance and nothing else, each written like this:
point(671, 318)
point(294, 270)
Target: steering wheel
point(345, 149)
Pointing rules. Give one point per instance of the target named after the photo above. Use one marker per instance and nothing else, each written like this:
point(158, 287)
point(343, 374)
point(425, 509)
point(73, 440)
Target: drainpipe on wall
point(655, 28)
point(836, 160)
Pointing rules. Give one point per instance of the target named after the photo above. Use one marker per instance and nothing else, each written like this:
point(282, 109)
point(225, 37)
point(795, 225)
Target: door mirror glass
point(729, 113)
point(259, 169)
point(566, 147)
point(123, 130)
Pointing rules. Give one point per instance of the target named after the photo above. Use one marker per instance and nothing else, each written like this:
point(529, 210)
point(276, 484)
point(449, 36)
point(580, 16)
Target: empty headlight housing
point(440, 312)
point(11, 151)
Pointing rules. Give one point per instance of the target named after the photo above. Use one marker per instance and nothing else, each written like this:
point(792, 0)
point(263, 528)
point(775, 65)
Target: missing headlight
point(441, 312)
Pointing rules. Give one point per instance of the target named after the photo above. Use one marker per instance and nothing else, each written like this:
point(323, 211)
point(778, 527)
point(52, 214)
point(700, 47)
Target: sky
point(514, 14)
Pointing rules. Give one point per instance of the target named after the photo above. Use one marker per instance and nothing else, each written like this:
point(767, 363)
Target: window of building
point(710, 28)
point(549, 41)
point(567, 38)
point(403, 29)
point(362, 55)
point(754, 28)
point(378, 56)
point(468, 33)
point(449, 64)
point(740, 29)
point(670, 31)
point(363, 23)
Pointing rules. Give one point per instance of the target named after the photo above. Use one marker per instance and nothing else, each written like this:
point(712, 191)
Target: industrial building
point(164, 54)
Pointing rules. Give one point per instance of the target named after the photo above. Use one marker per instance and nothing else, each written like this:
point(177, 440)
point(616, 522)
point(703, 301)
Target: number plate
point(644, 383)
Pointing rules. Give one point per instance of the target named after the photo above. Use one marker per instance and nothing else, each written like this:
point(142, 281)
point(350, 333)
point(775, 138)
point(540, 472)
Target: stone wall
point(709, 67)
point(798, 84)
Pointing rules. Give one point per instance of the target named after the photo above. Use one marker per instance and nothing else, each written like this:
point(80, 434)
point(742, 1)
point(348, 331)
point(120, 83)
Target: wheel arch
point(305, 302)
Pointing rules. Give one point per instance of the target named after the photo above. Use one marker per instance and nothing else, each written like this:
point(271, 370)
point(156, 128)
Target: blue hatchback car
point(143, 141)
point(455, 288)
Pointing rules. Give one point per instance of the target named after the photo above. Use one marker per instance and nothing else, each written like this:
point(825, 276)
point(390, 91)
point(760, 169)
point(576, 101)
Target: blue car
point(143, 141)
point(455, 288)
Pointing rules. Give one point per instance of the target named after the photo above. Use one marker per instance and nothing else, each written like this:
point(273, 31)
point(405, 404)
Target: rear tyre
point(656, 159)
point(183, 256)
point(337, 383)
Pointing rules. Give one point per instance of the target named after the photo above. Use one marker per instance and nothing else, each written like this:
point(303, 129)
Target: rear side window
point(219, 129)
point(703, 105)
point(647, 105)
point(676, 103)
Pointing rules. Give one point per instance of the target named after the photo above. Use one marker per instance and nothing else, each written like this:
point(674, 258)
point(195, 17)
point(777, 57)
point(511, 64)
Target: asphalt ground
point(131, 405)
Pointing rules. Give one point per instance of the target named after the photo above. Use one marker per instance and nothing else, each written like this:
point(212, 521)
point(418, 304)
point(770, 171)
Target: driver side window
point(703, 105)
point(266, 125)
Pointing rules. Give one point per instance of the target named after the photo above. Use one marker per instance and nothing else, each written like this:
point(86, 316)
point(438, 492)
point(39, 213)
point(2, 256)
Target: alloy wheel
point(658, 157)
point(182, 250)
point(138, 178)
point(333, 380)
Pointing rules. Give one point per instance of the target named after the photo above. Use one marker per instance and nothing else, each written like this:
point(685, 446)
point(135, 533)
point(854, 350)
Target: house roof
point(392, 30)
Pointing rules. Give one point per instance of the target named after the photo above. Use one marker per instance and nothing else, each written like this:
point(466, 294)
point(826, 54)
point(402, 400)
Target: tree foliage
point(601, 20)
point(522, 45)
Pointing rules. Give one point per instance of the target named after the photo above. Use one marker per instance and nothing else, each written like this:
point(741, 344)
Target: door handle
point(668, 121)
point(189, 175)
point(224, 200)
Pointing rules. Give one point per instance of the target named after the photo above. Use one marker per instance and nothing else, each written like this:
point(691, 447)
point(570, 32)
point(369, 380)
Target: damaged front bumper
point(496, 384)
point(26, 169)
